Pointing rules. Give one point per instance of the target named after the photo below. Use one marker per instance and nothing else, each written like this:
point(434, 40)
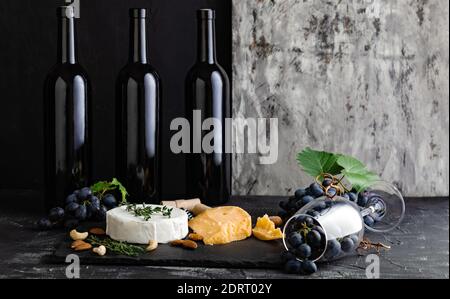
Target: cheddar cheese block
point(223, 225)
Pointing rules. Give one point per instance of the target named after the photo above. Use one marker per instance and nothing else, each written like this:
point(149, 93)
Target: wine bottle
point(208, 94)
point(67, 118)
point(138, 118)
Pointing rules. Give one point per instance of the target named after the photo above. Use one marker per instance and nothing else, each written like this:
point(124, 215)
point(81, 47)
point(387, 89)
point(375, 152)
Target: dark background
point(28, 35)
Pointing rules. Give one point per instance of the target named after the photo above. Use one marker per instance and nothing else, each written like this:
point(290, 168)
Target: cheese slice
point(222, 225)
point(265, 230)
point(122, 225)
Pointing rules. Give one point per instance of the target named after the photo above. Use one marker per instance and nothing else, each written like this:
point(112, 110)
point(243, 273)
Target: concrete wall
point(364, 77)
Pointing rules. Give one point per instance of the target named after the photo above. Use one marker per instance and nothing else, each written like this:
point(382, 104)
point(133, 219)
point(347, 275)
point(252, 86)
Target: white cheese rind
point(123, 226)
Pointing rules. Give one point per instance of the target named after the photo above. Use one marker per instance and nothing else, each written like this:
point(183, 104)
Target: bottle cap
point(66, 12)
point(208, 14)
point(138, 13)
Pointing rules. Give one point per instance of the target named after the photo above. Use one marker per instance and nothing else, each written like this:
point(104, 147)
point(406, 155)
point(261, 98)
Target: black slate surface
point(420, 248)
point(248, 254)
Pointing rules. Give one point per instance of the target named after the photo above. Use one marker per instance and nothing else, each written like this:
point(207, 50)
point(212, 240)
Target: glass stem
point(367, 211)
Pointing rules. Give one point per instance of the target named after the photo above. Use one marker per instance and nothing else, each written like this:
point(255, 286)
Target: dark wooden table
point(420, 248)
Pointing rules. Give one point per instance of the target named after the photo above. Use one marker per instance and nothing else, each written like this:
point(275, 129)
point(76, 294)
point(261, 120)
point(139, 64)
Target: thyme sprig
point(117, 247)
point(148, 211)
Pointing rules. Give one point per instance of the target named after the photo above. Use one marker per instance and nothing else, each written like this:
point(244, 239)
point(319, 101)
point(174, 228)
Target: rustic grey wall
point(363, 77)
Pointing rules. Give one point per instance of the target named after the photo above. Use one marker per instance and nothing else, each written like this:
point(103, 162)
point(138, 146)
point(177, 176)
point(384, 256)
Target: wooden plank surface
point(420, 249)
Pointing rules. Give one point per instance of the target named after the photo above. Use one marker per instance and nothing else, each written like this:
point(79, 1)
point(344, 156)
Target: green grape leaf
point(316, 163)
point(356, 173)
point(122, 190)
point(101, 188)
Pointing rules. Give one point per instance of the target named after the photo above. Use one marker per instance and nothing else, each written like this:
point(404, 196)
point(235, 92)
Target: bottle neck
point(67, 52)
point(138, 40)
point(206, 40)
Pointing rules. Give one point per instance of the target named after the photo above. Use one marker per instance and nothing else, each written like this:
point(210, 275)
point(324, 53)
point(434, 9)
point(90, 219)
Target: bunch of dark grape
point(306, 242)
point(81, 205)
point(304, 196)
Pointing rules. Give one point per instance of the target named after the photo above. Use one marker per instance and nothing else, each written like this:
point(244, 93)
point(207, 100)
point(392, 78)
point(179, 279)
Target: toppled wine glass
point(330, 228)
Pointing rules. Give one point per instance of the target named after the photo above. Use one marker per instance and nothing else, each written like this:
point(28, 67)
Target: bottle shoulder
point(67, 72)
point(138, 71)
point(205, 71)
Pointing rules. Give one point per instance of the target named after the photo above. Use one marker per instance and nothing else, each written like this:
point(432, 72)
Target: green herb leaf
point(356, 173)
point(117, 247)
point(101, 188)
point(147, 211)
point(316, 163)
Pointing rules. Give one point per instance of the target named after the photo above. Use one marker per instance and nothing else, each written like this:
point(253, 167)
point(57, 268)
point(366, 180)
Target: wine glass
point(330, 228)
point(383, 207)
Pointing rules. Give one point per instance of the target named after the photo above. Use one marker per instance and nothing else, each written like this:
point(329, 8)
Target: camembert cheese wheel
point(122, 225)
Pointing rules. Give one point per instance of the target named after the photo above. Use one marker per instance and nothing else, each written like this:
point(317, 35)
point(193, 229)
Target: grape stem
point(366, 244)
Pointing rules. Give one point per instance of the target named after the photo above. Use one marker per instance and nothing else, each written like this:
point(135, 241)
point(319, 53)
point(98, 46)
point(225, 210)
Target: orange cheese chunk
point(222, 225)
point(265, 230)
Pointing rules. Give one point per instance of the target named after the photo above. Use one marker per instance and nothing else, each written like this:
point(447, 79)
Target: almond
point(97, 231)
point(188, 244)
point(77, 243)
point(195, 237)
point(83, 247)
point(277, 220)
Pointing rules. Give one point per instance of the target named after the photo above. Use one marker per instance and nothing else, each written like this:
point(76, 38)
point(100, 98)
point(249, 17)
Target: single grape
point(308, 267)
point(299, 205)
point(44, 224)
point(319, 229)
point(320, 206)
point(300, 193)
point(333, 249)
point(369, 221)
point(347, 244)
point(81, 213)
point(327, 182)
point(95, 202)
point(331, 192)
point(346, 196)
point(76, 193)
point(316, 190)
point(85, 193)
point(304, 251)
point(353, 197)
point(363, 199)
point(300, 218)
point(71, 208)
point(287, 256)
point(313, 213)
point(355, 240)
point(101, 214)
point(70, 199)
point(309, 221)
point(295, 239)
point(293, 267)
point(307, 199)
point(313, 238)
point(56, 214)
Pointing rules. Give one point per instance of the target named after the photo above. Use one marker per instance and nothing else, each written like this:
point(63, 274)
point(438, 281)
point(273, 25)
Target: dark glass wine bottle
point(208, 91)
point(67, 118)
point(138, 118)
